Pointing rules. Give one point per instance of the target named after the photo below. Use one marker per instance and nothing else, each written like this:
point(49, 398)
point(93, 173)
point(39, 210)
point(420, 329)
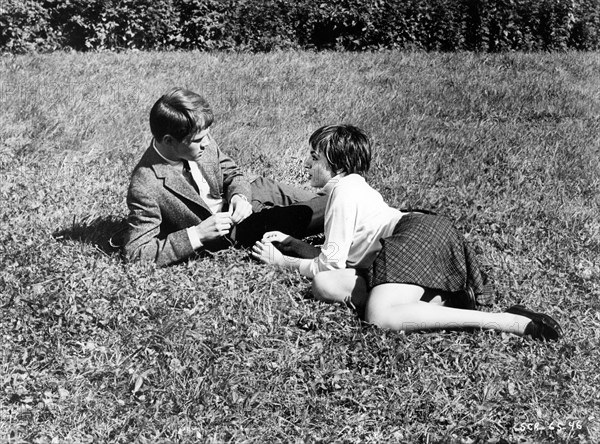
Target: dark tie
point(188, 175)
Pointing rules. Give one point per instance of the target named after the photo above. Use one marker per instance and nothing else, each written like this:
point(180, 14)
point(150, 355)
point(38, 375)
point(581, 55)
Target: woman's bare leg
point(396, 306)
point(346, 286)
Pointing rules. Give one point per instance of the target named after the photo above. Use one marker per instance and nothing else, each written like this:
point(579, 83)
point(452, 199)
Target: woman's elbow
point(323, 286)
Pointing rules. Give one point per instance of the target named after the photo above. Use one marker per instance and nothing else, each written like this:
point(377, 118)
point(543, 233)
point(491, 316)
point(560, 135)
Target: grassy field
point(222, 349)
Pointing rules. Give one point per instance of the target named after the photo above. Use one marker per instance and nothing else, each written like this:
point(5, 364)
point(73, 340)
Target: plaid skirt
point(427, 250)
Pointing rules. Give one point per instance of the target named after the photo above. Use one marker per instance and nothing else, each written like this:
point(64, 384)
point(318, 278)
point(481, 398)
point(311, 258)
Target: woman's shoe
point(541, 327)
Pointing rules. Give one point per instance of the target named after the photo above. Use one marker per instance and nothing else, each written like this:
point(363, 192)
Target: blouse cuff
point(306, 267)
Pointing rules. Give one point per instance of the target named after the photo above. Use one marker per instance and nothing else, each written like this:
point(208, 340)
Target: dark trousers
point(279, 207)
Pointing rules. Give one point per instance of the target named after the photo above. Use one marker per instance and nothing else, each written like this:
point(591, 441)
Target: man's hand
point(239, 208)
point(274, 236)
point(268, 254)
point(214, 227)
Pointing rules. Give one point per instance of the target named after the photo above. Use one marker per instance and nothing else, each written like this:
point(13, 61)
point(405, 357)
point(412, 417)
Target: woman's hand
point(274, 236)
point(267, 253)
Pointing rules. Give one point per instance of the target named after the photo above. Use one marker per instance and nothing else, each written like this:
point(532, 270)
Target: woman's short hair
point(346, 148)
point(180, 113)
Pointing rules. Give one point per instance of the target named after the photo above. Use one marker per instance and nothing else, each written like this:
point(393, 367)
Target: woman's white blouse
point(356, 218)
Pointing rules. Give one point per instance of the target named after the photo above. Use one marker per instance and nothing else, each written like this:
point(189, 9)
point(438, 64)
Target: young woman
point(385, 262)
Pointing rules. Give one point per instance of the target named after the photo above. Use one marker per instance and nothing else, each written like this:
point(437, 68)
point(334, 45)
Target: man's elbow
point(133, 253)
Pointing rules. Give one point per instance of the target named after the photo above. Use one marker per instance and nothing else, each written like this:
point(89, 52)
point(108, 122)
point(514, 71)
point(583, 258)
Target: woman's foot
point(541, 327)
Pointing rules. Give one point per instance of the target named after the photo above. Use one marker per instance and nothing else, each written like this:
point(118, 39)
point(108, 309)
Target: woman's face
point(318, 168)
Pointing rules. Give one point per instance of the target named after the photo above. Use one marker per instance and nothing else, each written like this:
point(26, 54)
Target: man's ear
point(169, 140)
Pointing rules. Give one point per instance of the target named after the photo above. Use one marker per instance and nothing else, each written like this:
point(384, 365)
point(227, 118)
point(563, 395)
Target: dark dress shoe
point(541, 327)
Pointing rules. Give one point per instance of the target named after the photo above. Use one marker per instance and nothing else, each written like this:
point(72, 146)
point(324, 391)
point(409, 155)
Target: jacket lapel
point(177, 184)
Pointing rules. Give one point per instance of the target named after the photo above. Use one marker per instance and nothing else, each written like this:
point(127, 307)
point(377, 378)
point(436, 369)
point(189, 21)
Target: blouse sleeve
point(340, 225)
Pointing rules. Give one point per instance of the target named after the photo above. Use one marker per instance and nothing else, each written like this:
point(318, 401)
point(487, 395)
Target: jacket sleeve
point(234, 181)
point(142, 241)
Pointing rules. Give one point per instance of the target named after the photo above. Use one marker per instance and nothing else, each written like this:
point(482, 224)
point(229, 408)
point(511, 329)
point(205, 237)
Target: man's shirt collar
point(170, 162)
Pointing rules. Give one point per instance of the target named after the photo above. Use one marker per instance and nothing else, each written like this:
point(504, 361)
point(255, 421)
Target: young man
point(187, 196)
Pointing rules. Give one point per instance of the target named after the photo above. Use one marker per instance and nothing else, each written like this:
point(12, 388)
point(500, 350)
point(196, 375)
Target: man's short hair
point(180, 113)
point(346, 148)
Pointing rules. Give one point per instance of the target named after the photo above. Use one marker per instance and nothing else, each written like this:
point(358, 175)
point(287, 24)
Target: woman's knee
point(386, 301)
point(376, 310)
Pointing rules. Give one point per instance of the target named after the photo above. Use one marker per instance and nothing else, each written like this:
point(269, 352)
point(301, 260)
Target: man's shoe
point(541, 327)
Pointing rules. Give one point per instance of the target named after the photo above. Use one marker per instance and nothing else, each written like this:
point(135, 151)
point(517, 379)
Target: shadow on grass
point(106, 233)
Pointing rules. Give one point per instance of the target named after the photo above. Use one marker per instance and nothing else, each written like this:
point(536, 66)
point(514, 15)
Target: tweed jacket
point(163, 204)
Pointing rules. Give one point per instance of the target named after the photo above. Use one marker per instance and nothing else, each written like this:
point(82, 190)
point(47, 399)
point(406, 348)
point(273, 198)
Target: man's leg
point(266, 193)
point(280, 207)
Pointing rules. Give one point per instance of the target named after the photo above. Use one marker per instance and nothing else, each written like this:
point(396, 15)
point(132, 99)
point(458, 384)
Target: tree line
point(265, 25)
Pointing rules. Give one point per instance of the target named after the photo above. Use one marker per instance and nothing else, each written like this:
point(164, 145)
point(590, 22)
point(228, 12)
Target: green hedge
point(263, 25)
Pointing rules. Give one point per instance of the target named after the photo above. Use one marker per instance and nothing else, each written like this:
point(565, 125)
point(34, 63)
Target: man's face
point(192, 147)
